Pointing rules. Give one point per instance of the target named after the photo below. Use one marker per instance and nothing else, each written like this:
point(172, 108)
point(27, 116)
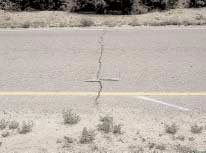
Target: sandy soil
point(143, 129)
point(65, 19)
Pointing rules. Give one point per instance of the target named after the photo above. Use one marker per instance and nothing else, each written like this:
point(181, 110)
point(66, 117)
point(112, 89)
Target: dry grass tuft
point(134, 22)
point(180, 137)
point(117, 129)
point(25, 25)
point(160, 147)
point(26, 127)
point(106, 124)
point(5, 134)
point(184, 149)
point(86, 22)
point(70, 117)
point(87, 136)
point(69, 139)
point(3, 124)
point(171, 129)
point(196, 129)
point(13, 125)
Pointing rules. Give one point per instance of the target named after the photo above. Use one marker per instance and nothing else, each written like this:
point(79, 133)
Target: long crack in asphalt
point(98, 76)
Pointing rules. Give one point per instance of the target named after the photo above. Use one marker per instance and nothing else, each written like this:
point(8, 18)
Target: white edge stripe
point(163, 103)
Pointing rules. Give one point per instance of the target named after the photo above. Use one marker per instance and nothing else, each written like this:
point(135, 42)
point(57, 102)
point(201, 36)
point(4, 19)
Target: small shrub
point(13, 125)
point(180, 137)
point(109, 23)
point(160, 147)
point(68, 139)
point(169, 4)
point(86, 22)
point(87, 136)
point(107, 124)
point(26, 127)
point(5, 134)
point(59, 141)
point(25, 25)
point(29, 5)
point(3, 124)
point(70, 117)
point(184, 149)
point(191, 139)
point(171, 129)
point(198, 3)
point(195, 129)
point(138, 7)
point(117, 129)
point(135, 149)
point(8, 5)
point(183, 3)
point(100, 6)
point(151, 145)
point(134, 22)
point(199, 17)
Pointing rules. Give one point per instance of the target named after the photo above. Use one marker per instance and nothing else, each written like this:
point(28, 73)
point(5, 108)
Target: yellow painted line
point(22, 93)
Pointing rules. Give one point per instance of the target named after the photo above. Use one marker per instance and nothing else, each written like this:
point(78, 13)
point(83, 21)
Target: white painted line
point(163, 103)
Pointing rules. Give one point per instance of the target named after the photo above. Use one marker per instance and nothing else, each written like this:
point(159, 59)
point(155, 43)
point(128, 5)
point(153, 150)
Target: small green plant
point(13, 125)
point(26, 127)
point(3, 124)
point(70, 117)
point(86, 22)
point(196, 129)
point(87, 136)
point(171, 129)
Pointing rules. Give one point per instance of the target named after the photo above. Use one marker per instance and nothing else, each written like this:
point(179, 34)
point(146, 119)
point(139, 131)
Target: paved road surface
point(131, 60)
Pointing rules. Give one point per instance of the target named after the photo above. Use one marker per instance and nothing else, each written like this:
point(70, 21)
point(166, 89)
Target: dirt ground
point(65, 19)
point(143, 129)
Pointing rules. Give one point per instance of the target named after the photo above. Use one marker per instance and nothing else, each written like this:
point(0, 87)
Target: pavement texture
point(135, 60)
point(156, 59)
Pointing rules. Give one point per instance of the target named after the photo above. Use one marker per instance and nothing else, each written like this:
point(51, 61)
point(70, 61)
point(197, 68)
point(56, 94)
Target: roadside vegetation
point(100, 6)
point(109, 13)
point(8, 128)
point(51, 19)
point(70, 117)
point(99, 137)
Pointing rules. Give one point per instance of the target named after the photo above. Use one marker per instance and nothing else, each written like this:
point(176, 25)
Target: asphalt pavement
point(144, 59)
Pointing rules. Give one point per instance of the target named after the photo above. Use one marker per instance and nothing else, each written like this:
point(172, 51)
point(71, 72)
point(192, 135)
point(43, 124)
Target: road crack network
point(98, 76)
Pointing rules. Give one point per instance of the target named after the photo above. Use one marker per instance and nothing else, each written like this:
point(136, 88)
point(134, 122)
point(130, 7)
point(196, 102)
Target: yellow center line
point(65, 93)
